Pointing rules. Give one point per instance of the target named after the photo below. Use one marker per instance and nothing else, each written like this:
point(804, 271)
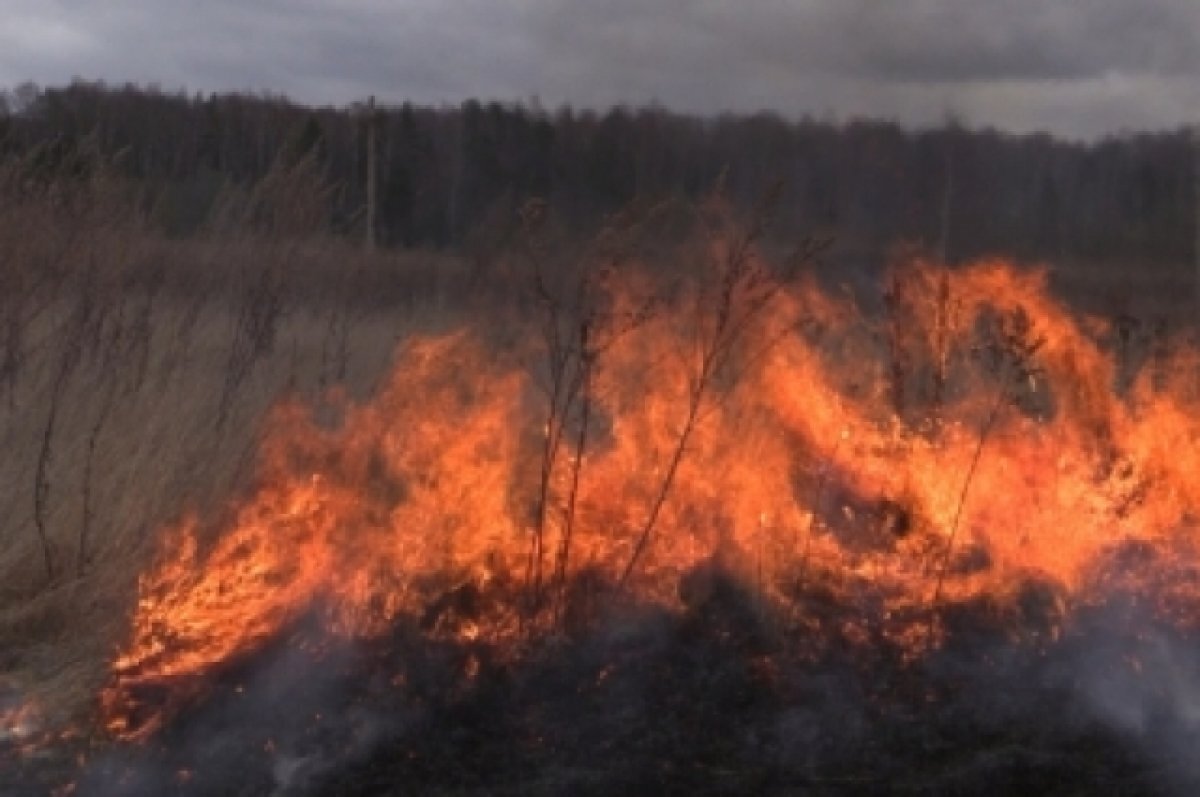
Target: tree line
point(449, 174)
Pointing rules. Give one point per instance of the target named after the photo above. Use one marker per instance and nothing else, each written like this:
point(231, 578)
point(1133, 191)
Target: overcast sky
point(1075, 67)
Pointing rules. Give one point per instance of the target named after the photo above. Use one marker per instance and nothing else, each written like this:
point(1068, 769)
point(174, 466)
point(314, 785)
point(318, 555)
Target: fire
point(25, 727)
point(20, 723)
point(981, 437)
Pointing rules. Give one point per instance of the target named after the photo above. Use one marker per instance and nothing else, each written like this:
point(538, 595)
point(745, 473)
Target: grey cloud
point(942, 40)
point(1077, 66)
point(909, 41)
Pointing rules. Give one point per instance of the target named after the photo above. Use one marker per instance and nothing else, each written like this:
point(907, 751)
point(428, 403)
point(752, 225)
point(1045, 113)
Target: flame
point(1026, 459)
point(24, 725)
point(20, 722)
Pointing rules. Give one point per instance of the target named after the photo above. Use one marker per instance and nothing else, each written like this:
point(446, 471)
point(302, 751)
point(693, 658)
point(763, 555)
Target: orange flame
point(20, 722)
point(1027, 459)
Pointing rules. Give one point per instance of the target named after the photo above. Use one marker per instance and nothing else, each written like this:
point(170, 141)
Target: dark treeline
point(447, 173)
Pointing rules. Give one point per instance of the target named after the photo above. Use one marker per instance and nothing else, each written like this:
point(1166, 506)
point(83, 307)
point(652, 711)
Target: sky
point(1077, 68)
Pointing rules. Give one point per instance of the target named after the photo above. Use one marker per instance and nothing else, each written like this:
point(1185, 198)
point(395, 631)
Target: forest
point(491, 449)
point(454, 176)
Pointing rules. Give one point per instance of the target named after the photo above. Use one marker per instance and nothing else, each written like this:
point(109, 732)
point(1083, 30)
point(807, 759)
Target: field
point(679, 507)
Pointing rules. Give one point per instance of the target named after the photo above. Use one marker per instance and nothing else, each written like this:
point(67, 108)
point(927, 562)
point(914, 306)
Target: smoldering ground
point(725, 696)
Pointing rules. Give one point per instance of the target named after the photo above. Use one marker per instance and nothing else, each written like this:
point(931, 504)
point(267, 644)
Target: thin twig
point(962, 498)
point(81, 555)
point(585, 412)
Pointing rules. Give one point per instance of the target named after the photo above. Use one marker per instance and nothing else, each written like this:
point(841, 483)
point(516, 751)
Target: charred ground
point(723, 697)
point(936, 537)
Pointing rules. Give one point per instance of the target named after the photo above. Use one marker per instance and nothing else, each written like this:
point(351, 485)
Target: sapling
point(1009, 355)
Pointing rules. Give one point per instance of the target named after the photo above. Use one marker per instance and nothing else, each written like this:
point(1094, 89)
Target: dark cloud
point(1075, 66)
point(946, 41)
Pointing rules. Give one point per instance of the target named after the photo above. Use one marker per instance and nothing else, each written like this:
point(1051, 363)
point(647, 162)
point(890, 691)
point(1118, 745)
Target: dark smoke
point(726, 697)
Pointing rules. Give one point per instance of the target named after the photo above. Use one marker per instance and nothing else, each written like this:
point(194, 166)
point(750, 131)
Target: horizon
point(535, 105)
point(1075, 73)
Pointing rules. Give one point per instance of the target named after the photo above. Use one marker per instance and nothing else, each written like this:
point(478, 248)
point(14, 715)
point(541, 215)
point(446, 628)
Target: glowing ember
point(983, 441)
point(24, 728)
point(19, 724)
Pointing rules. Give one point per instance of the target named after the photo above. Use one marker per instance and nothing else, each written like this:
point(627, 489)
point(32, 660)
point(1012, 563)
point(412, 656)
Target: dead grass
point(117, 411)
point(136, 372)
point(1135, 290)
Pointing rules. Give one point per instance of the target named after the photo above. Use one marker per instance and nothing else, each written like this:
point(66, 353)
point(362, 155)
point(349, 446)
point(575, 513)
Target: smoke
point(1056, 653)
point(712, 697)
point(275, 724)
point(1143, 680)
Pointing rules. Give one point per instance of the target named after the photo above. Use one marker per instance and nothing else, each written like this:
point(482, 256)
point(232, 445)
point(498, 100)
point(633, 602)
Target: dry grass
point(120, 407)
point(136, 371)
point(1135, 290)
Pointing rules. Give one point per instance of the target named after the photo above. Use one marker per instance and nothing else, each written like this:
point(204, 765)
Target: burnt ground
point(722, 698)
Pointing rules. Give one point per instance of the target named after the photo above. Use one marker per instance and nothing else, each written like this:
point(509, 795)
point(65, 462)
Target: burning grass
point(786, 472)
point(780, 511)
point(702, 525)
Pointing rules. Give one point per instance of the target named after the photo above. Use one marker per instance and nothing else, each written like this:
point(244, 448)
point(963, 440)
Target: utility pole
point(953, 126)
point(1196, 207)
point(372, 168)
point(947, 204)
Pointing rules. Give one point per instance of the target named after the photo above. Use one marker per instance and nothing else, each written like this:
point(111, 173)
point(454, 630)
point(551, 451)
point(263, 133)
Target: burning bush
point(742, 413)
point(710, 524)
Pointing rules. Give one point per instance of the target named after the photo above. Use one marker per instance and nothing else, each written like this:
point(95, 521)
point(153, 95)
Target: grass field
point(137, 373)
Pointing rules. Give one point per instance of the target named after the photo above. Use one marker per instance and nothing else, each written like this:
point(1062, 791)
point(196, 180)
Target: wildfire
point(981, 436)
point(20, 723)
point(24, 727)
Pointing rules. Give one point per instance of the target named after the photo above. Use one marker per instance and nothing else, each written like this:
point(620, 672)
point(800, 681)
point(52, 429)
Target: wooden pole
point(372, 149)
point(947, 204)
point(1196, 207)
point(954, 127)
